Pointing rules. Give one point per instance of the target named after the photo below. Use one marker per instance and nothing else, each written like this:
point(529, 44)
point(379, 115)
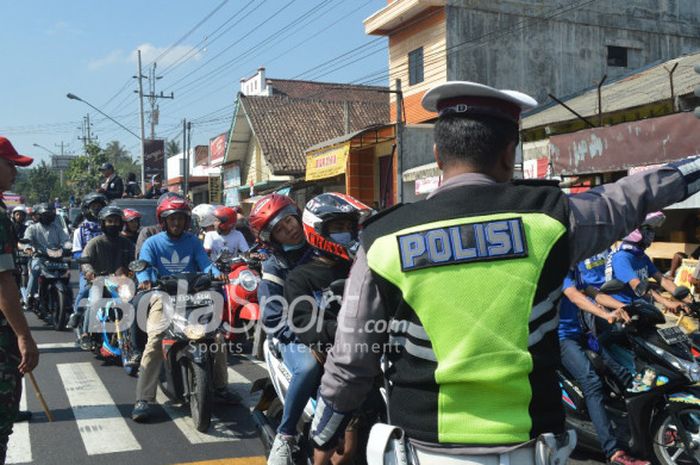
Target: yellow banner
point(327, 162)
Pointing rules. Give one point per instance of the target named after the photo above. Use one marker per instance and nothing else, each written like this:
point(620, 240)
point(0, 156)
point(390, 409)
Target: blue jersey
point(628, 265)
point(168, 256)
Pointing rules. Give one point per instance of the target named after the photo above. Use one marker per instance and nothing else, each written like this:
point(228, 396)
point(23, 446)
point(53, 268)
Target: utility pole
point(140, 77)
point(153, 99)
point(399, 139)
point(185, 158)
point(60, 145)
point(86, 129)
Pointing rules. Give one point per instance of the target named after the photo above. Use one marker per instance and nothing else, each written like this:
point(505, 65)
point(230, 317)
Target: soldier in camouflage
point(18, 351)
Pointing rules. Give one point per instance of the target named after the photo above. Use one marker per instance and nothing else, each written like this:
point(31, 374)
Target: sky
point(201, 49)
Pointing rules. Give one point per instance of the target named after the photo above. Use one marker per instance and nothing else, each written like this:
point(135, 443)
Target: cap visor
point(20, 160)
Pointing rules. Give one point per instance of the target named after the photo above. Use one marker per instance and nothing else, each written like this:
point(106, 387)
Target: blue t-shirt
point(167, 256)
point(591, 271)
point(628, 265)
point(569, 325)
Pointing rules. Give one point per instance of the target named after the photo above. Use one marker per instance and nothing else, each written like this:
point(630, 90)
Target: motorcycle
point(187, 374)
point(22, 261)
point(661, 418)
point(241, 299)
point(54, 303)
point(267, 414)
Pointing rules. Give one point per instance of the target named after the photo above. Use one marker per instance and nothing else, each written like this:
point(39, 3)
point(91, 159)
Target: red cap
point(8, 152)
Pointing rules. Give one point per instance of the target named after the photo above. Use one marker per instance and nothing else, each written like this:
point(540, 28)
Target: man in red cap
point(18, 351)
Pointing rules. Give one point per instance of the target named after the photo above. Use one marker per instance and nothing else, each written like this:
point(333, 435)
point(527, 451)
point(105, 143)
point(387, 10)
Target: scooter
point(54, 303)
point(268, 412)
point(241, 300)
point(187, 374)
point(661, 418)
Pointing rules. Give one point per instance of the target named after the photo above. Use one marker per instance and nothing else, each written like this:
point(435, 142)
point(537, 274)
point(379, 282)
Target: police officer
point(18, 351)
point(466, 283)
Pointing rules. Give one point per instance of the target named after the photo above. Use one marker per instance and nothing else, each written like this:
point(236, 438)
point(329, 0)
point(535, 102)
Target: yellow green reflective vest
point(470, 280)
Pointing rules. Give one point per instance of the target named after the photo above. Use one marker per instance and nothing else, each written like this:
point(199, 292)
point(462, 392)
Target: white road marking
point(102, 428)
point(19, 449)
point(252, 359)
point(57, 345)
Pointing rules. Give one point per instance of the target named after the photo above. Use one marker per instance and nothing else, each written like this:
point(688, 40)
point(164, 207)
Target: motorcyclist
point(153, 229)
point(226, 239)
point(630, 264)
point(331, 228)
point(174, 250)
point(19, 218)
point(276, 222)
point(132, 224)
point(46, 234)
point(573, 345)
point(156, 189)
point(206, 221)
point(89, 228)
point(104, 255)
point(473, 373)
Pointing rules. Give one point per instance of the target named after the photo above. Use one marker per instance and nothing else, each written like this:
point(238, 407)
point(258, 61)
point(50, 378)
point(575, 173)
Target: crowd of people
point(481, 250)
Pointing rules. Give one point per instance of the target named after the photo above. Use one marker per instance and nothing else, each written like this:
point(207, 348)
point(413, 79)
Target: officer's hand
point(674, 307)
point(90, 276)
point(145, 286)
point(618, 315)
point(29, 353)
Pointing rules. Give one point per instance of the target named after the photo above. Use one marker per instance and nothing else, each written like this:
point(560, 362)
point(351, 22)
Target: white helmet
point(20, 208)
point(205, 214)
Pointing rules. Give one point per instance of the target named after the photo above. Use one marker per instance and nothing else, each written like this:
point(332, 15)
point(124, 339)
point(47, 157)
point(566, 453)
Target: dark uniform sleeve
point(603, 215)
point(7, 243)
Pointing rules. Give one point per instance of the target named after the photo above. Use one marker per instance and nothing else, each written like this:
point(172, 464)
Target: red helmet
point(227, 216)
point(328, 207)
point(268, 211)
point(131, 215)
point(170, 206)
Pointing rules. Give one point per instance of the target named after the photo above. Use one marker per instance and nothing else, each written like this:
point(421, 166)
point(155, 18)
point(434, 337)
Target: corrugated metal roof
point(649, 85)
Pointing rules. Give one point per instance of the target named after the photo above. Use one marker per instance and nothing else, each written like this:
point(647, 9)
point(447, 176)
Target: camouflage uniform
point(10, 377)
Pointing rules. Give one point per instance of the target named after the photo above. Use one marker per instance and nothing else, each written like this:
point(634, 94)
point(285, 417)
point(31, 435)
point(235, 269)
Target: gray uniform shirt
point(43, 237)
point(598, 218)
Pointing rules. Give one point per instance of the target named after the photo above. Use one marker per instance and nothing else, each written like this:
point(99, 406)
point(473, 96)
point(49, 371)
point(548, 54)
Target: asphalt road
point(91, 404)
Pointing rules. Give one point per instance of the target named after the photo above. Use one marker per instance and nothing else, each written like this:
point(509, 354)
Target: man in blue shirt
point(572, 345)
point(169, 252)
point(631, 265)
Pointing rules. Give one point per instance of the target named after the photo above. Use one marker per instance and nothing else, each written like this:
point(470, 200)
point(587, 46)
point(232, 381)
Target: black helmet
point(92, 198)
point(111, 210)
point(46, 212)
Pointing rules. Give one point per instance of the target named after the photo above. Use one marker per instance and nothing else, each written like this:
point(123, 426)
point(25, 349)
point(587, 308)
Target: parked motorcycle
point(54, 303)
point(661, 419)
point(241, 308)
point(187, 374)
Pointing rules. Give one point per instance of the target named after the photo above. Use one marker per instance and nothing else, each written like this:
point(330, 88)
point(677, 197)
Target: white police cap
point(472, 98)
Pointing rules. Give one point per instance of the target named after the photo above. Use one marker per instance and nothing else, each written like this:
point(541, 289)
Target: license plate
point(673, 335)
point(56, 266)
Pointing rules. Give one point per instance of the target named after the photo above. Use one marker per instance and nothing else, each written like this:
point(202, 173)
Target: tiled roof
point(329, 91)
point(286, 127)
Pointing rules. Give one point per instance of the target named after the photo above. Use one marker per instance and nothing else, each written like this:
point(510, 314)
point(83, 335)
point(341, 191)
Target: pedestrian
point(156, 189)
point(18, 351)
point(113, 186)
point(71, 201)
point(465, 283)
point(132, 188)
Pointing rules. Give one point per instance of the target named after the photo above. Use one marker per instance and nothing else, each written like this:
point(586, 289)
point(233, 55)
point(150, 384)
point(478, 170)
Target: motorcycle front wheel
point(667, 443)
point(201, 396)
point(59, 310)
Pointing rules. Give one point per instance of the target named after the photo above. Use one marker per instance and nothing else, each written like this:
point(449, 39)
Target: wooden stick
point(39, 396)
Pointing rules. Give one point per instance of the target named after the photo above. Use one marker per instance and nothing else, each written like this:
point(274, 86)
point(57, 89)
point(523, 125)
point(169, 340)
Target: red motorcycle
point(241, 309)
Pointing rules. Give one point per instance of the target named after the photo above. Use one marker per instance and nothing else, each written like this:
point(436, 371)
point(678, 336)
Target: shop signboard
point(154, 158)
point(231, 198)
point(427, 185)
point(326, 162)
point(232, 176)
point(217, 149)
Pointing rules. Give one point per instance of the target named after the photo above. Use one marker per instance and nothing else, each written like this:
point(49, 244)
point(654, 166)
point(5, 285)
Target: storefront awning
point(327, 162)
point(422, 171)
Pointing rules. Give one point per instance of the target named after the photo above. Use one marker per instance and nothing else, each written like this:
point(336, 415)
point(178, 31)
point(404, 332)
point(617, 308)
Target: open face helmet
point(227, 217)
point(131, 215)
point(204, 213)
point(326, 208)
point(170, 206)
point(268, 211)
point(93, 197)
point(46, 213)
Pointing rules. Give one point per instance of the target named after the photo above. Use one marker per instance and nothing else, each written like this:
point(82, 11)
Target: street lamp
point(42, 147)
point(143, 173)
point(60, 171)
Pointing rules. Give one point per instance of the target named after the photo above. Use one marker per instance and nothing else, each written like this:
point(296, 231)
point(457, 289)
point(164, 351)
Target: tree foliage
point(172, 148)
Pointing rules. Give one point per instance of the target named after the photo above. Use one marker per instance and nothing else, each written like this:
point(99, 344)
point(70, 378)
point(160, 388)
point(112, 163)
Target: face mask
point(290, 247)
point(342, 238)
point(111, 231)
point(46, 219)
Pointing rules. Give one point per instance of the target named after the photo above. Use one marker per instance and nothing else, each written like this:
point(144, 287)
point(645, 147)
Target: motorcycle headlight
point(125, 293)
point(248, 280)
point(190, 331)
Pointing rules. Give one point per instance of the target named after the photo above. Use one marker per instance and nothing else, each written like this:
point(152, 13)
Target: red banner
point(217, 149)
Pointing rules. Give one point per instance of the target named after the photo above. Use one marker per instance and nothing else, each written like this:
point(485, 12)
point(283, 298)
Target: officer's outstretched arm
point(604, 214)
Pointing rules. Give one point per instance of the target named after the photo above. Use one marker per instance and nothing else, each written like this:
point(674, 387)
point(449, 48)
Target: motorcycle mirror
point(681, 293)
point(138, 265)
point(612, 286)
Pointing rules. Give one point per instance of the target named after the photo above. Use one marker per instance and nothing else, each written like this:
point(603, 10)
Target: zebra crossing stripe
point(19, 449)
point(102, 428)
point(218, 430)
point(57, 345)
